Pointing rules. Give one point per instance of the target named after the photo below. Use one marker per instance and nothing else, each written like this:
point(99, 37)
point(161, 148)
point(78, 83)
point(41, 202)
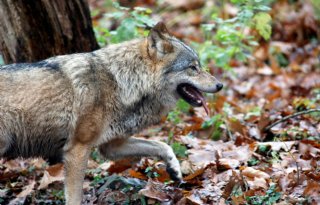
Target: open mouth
point(192, 95)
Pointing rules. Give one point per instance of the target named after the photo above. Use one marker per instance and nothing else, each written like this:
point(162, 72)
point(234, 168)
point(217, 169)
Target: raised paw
point(175, 175)
point(173, 168)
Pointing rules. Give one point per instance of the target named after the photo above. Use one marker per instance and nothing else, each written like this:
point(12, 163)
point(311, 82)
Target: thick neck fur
point(138, 98)
point(132, 71)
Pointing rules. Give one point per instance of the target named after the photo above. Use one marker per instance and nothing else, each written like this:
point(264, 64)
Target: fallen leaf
point(27, 190)
point(52, 174)
point(312, 190)
point(194, 174)
point(251, 172)
point(154, 190)
point(136, 174)
point(257, 183)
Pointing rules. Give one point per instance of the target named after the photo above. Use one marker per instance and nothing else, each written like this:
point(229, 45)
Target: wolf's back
point(35, 110)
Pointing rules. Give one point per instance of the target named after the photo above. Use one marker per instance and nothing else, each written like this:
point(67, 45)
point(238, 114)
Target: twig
point(296, 162)
point(291, 116)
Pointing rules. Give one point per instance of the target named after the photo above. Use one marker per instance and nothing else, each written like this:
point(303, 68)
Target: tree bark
point(32, 30)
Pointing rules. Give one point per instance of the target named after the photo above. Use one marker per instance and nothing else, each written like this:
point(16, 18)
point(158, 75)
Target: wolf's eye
point(193, 67)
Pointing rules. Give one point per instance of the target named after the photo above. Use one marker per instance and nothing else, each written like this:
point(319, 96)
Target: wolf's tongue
point(200, 97)
point(203, 101)
point(205, 106)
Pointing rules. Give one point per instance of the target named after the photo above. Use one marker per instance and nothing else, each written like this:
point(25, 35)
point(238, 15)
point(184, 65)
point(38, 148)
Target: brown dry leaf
point(162, 172)
point(186, 4)
point(21, 197)
point(288, 181)
point(154, 190)
point(7, 175)
point(238, 200)
point(200, 158)
point(38, 163)
point(219, 102)
point(232, 181)
point(264, 121)
point(227, 163)
point(242, 140)
point(257, 183)
point(252, 173)
point(311, 80)
point(312, 190)
point(244, 87)
point(191, 142)
point(315, 175)
point(194, 174)
point(137, 174)
point(112, 196)
point(55, 170)
point(265, 70)
point(92, 164)
point(241, 153)
point(120, 165)
point(27, 190)
point(236, 126)
point(14, 164)
point(195, 198)
point(311, 142)
point(186, 167)
point(211, 151)
point(52, 174)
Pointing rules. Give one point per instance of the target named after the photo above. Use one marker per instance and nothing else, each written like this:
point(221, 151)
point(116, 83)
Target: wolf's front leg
point(135, 147)
point(75, 162)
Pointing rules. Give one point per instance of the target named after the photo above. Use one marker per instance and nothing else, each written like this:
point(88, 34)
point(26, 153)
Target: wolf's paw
point(173, 168)
point(175, 175)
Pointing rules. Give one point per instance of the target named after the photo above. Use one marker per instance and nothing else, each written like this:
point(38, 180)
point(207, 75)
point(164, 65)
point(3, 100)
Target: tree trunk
point(32, 30)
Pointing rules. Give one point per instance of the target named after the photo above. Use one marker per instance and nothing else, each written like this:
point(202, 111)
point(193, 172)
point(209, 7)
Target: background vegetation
point(260, 144)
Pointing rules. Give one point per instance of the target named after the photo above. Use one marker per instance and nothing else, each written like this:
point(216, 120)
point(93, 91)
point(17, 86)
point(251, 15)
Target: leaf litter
point(245, 164)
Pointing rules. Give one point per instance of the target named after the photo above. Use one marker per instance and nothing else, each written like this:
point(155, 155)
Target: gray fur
point(65, 105)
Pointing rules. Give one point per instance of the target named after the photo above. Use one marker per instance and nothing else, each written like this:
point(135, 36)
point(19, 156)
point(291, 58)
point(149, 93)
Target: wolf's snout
point(219, 86)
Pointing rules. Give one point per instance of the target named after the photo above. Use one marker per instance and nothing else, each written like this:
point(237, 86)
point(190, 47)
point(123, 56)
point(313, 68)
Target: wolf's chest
point(132, 120)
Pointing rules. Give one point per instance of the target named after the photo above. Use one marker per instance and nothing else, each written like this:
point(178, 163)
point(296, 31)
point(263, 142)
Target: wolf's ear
point(158, 41)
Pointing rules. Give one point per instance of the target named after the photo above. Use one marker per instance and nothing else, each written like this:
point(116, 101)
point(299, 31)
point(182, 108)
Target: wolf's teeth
point(198, 101)
point(189, 94)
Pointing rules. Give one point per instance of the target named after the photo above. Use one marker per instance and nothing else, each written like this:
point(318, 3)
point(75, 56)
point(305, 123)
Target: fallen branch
point(291, 116)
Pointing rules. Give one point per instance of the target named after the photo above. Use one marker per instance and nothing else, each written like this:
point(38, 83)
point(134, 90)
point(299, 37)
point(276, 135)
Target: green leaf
point(253, 161)
point(179, 149)
point(116, 15)
point(263, 8)
point(117, 6)
point(174, 116)
point(183, 106)
point(213, 120)
point(256, 111)
point(263, 26)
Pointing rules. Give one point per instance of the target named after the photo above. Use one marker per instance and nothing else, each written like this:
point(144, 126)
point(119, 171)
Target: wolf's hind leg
point(135, 147)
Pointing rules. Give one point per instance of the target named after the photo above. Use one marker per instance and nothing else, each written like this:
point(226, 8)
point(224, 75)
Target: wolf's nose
point(219, 86)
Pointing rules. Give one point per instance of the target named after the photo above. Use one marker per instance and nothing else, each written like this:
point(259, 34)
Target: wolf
point(61, 107)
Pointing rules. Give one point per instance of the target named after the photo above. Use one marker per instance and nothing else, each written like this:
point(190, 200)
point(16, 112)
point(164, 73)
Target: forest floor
point(232, 156)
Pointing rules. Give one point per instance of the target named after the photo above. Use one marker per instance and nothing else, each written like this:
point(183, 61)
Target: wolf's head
point(181, 73)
